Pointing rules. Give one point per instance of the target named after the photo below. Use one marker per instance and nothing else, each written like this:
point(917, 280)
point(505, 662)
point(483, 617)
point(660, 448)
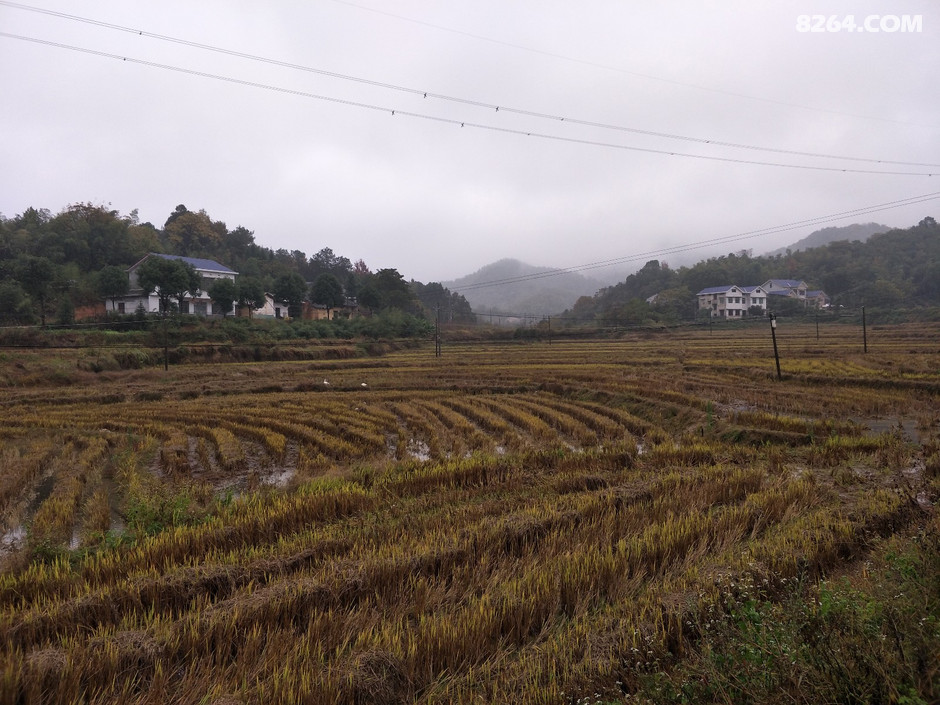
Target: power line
point(819, 220)
point(608, 67)
point(443, 97)
point(451, 121)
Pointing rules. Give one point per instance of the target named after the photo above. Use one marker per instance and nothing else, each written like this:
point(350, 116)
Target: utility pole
point(773, 334)
point(549, 330)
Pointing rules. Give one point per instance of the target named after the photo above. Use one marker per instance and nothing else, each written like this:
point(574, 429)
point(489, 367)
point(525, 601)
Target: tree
point(240, 244)
point(14, 304)
point(170, 278)
point(292, 288)
point(676, 304)
point(90, 236)
point(190, 233)
point(35, 275)
point(393, 289)
point(223, 293)
point(249, 292)
point(112, 283)
point(440, 302)
point(370, 297)
point(65, 313)
point(327, 291)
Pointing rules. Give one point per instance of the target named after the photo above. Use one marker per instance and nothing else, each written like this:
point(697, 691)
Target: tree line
point(892, 270)
point(52, 263)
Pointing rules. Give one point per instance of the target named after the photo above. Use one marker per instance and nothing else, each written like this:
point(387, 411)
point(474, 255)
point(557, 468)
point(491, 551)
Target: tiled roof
point(205, 264)
point(715, 289)
point(785, 283)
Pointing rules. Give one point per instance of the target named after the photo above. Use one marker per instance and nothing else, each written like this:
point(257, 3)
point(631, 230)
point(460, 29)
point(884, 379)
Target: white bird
point(363, 385)
point(326, 383)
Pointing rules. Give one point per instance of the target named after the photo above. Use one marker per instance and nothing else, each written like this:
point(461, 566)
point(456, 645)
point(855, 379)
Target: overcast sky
point(417, 191)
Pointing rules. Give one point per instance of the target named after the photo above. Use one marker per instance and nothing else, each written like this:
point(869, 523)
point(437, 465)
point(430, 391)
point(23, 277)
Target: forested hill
point(820, 238)
point(50, 264)
point(893, 270)
point(528, 289)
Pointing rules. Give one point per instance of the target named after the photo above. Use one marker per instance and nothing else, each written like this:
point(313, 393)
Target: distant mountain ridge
point(553, 292)
point(820, 238)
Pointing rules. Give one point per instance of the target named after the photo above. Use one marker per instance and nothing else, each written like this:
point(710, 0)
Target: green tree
point(90, 236)
point(192, 233)
point(35, 275)
point(676, 304)
point(327, 291)
point(65, 313)
point(394, 290)
point(370, 297)
point(14, 304)
point(292, 288)
point(113, 283)
point(249, 292)
point(223, 293)
point(170, 278)
point(439, 300)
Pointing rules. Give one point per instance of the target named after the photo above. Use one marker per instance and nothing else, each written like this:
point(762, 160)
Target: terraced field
point(507, 523)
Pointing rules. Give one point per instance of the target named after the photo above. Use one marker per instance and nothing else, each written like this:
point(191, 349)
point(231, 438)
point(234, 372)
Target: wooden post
point(773, 334)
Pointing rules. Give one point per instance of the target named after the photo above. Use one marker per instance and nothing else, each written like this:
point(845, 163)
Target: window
point(121, 307)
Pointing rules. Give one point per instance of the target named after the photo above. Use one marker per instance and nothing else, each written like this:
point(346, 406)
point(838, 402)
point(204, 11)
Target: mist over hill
point(542, 291)
point(856, 232)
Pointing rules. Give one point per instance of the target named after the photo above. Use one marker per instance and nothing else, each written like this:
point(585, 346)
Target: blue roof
point(715, 289)
point(749, 289)
point(206, 264)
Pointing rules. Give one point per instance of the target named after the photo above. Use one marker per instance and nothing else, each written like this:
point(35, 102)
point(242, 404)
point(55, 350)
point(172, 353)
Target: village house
point(731, 301)
point(197, 302)
point(792, 288)
point(797, 289)
point(272, 308)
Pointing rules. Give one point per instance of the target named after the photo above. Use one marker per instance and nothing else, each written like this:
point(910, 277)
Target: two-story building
point(731, 301)
point(197, 302)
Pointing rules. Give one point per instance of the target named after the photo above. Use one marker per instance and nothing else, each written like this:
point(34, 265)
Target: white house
point(794, 288)
point(756, 296)
point(272, 308)
point(197, 302)
point(731, 301)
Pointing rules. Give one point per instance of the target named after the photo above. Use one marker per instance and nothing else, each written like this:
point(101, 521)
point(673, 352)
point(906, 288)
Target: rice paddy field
point(507, 523)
